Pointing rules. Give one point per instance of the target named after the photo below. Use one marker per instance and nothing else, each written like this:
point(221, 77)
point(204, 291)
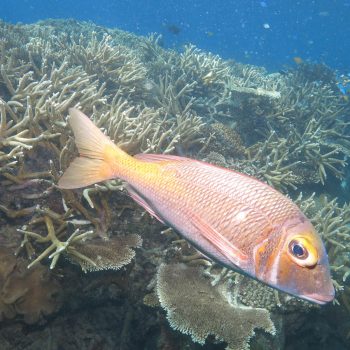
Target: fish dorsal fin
point(222, 244)
point(161, 157)
point(139, 200)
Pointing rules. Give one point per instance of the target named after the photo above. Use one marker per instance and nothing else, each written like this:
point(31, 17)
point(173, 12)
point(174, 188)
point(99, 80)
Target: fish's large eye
point(302, 252)
point(298, 250)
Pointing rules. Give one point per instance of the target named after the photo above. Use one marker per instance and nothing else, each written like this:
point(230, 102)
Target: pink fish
point(236, 220)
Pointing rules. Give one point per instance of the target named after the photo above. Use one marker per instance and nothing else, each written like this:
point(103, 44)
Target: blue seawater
point(268, 33)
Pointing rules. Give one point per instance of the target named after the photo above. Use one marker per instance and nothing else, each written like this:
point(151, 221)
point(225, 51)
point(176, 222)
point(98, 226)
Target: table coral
point(107, 255)
point(196, 308)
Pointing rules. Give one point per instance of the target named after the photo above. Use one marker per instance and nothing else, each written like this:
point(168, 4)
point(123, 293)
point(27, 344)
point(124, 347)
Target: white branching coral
point(115, 65)
point(80, 248)
point(332, 221)
point(15, 135)
point(146, 130)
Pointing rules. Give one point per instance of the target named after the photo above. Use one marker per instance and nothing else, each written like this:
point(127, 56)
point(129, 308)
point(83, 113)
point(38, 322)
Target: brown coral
point(7, 264)
point(196, 308)
point(31, 294)
point(107, 255)
point(226, 141)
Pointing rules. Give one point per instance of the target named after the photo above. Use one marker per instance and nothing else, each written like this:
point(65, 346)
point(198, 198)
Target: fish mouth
point(317, 298)
point(311, 284)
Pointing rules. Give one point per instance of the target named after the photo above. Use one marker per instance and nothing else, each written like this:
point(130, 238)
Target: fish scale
point(220, 203)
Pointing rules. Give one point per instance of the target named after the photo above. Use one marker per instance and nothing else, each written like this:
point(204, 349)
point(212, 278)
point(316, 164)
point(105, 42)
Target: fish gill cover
point(288, 129)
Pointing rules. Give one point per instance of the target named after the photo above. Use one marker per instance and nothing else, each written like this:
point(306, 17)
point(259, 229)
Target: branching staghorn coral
point(174, 94)
point(312, 146)
point(287, 162)
point(332, 221)
point(284, 158)
point(56, 247)
point(114, 65)
point(146, 130)
point(14, 136)
point(266, 161)
point(34, 112)
point(91, 255)
point(308, 117)
point(53, 94)
point(37, 107)
point(253, 81)
point(246, 92)
point(151, 50)
point(203, 68)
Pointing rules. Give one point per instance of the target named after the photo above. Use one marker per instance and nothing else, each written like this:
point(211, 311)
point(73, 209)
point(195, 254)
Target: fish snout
point(310, 283)
point(319, 286)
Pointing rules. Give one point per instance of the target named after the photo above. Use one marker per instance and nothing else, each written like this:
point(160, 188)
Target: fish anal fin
point(139, 200)
point(222, 244)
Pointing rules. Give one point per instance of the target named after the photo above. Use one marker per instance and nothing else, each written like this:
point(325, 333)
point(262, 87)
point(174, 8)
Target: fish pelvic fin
point(100, 159)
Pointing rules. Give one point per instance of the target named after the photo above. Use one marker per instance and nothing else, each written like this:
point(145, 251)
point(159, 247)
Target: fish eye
point(302, 251)
point(298, 250)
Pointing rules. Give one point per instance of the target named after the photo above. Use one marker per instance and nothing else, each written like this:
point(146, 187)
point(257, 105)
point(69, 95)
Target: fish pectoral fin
point(139, 200)
point(222, 244)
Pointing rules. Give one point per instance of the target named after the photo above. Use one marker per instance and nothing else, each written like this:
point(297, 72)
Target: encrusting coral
point(289, 130)
point(31, 294)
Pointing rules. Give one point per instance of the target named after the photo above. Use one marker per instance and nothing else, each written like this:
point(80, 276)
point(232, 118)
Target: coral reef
point(29, 294)
point(91, 255)
point(194, 307)
point(290, 130)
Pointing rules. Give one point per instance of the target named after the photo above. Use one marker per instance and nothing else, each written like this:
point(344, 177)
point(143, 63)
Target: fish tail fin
point(99, 156)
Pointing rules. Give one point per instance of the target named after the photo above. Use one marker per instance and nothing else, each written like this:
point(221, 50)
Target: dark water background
point(268, 33)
